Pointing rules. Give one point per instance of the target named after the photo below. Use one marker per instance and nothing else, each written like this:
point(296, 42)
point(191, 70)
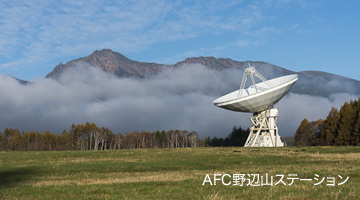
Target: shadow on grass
point(13, 177)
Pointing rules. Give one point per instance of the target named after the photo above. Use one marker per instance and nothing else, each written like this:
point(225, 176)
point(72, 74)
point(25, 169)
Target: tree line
point(339, 128)
point(237, 137)
point(90, 137)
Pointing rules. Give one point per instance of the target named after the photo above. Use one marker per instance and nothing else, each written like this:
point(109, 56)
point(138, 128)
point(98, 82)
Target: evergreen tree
point(207, 141)
point(346, 123)
point(304, 135)
point(217, 142)
point(5, 138)
point(24, 141)
point(328, 131)
point(356, 134)
point(315, 127)
point(238, 136)
point(14, 140)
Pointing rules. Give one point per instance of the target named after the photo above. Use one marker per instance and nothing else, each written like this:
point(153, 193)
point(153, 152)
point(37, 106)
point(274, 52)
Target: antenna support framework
point(264, 132)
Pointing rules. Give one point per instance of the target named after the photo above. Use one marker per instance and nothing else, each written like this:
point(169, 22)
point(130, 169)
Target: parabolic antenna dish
point(257, 97)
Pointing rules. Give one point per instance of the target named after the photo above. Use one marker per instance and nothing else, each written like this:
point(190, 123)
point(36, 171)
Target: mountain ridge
point(310, 82)
point(128, 67)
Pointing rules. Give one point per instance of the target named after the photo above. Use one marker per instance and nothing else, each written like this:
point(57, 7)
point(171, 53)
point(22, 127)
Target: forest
point(90, 137)
point(236, 138)
point(340, 128)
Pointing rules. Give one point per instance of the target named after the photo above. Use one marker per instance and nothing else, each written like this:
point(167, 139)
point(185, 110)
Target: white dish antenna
point(259, 98)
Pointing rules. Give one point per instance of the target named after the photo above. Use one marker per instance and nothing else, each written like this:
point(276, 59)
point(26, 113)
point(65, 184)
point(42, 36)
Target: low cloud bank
point(174, 99)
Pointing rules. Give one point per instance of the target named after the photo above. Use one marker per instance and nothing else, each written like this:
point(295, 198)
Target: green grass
point(176, 173)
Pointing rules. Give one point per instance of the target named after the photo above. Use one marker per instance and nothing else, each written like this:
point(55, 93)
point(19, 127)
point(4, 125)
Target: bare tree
point(119, 138)
point(193, 138)
point(97, 135)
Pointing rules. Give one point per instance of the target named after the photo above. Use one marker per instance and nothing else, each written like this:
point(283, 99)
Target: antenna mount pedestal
point(264, 132)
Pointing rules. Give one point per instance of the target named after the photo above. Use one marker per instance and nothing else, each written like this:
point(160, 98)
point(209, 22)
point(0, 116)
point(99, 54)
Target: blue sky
point(298, 35)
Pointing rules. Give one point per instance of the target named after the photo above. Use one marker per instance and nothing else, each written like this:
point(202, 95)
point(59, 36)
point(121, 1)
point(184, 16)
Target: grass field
point(177, 173)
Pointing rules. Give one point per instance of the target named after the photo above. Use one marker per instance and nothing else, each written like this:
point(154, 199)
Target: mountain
point(111, 62)
point(310, 82)
point(22, 82)
point(324, 84)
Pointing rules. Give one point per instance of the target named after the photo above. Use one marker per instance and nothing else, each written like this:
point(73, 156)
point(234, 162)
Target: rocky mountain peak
point(108, 54)
point(111, 62)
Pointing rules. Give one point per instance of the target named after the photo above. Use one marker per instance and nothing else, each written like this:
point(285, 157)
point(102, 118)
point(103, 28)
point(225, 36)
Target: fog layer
point(174, 99)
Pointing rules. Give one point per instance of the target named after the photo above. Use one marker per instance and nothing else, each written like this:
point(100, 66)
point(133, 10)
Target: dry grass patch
point(336, 156)
point(121, 178)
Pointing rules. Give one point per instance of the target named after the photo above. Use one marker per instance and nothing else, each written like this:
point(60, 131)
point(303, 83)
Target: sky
point(298, 35)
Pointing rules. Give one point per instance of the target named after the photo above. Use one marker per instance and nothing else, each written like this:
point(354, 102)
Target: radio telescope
point(259, 99)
